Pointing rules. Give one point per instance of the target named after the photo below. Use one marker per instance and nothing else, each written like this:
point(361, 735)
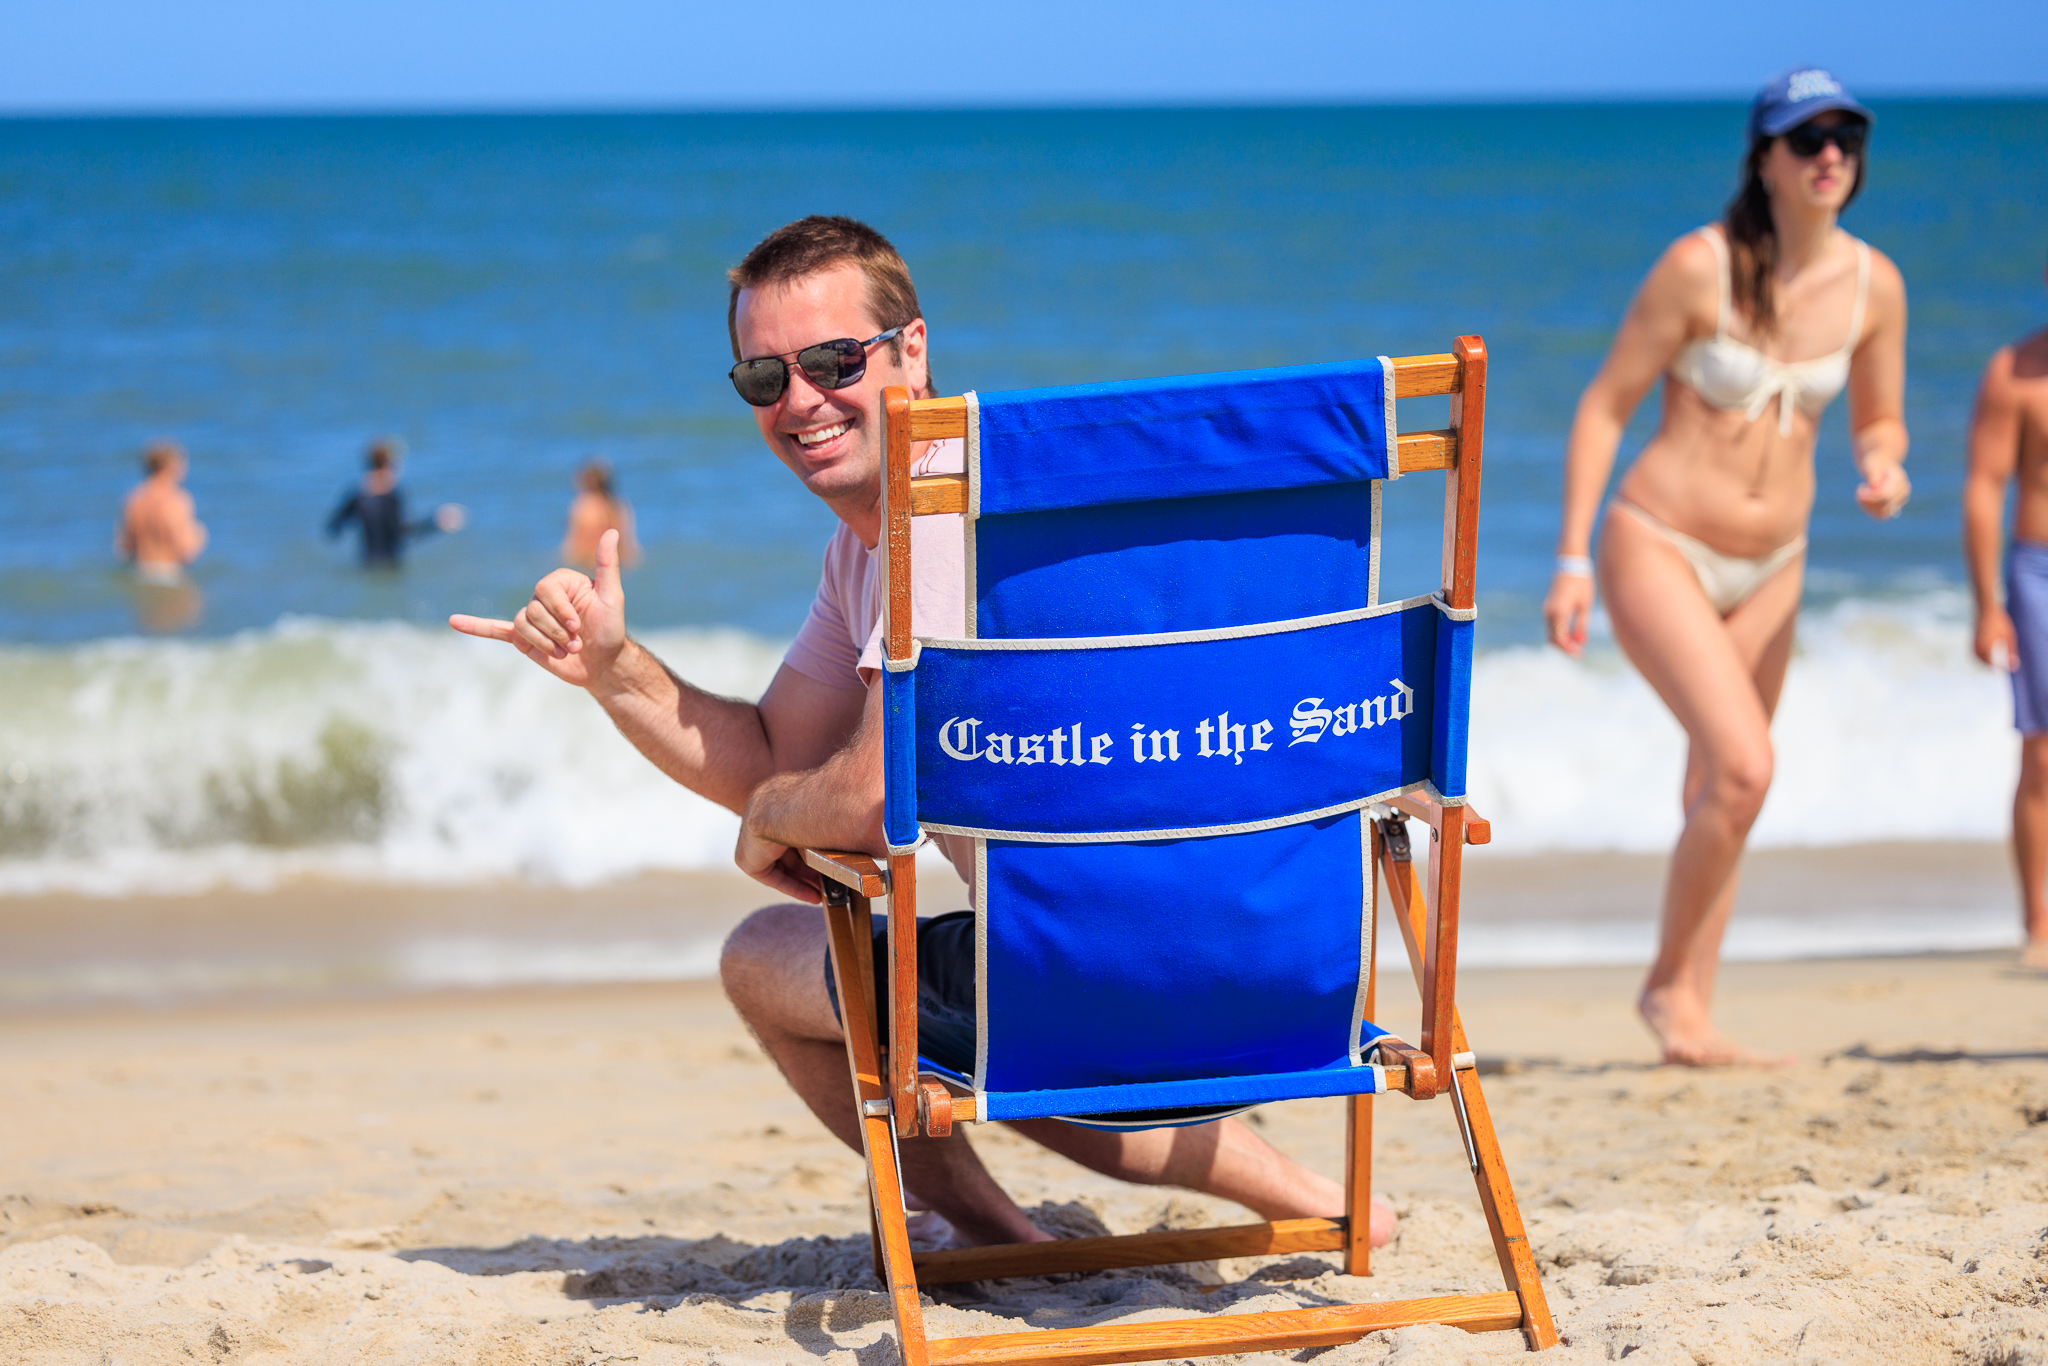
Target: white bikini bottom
point(1727, 580)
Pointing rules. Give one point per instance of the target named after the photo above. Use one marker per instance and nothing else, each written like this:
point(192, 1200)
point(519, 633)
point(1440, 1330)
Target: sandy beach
point(615, 1173)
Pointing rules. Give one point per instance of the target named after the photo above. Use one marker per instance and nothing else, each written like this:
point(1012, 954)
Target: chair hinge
point(1394, 834)
point(875, 1109)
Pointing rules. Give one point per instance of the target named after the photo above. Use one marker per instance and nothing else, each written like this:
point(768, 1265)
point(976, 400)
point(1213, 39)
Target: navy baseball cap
point(1792, 97)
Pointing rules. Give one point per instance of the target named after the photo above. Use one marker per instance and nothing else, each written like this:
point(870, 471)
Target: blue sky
point(197, 55)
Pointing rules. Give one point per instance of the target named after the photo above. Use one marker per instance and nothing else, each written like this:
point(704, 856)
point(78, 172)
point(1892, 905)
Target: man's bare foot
point(2034, 955)
point(1688, 1037)
point(1382, 1222)
point(930, 1232)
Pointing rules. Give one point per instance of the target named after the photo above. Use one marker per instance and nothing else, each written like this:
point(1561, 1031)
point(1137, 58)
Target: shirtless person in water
point(160, 531)
point(2008, 440)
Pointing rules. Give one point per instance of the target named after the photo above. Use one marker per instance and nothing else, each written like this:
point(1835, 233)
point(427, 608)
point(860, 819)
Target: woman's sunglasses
point(1807, 139)
point(829, 365)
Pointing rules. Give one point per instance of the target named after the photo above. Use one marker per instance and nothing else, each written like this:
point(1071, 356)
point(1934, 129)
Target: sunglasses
point(1808, 139)
point(829, 365)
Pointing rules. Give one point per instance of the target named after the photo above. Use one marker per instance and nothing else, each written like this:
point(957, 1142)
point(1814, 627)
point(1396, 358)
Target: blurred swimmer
point(160, 529)
point(378, 508)
point(596, 509)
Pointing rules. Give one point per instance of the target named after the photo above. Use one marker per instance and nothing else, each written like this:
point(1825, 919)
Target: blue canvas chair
point(1183, 734)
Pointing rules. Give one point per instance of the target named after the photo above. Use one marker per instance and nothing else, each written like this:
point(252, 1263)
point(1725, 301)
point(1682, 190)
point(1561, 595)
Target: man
point(379, 509)
point(822, 316)
point(160, 530)
point(2008, 438)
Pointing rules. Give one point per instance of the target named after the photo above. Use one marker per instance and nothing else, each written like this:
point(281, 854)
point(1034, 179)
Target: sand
point(614, 1174)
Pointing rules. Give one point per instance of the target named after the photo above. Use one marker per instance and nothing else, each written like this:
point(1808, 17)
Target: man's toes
point(1382, 1222)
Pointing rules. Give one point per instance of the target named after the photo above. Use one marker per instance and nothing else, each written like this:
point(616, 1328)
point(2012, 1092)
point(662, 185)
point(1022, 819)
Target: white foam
point(1888, 729)
point(389, 752)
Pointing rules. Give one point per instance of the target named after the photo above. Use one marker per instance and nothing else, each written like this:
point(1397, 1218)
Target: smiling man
point(823, 316)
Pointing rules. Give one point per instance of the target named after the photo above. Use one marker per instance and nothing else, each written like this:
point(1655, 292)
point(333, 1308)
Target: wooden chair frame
point(895, 1103)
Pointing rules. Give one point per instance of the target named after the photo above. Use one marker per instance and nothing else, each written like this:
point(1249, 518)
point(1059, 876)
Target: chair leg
point(1358, 1187)
point(1497, 1198)
point(1475, 1126)
point(878, 1135)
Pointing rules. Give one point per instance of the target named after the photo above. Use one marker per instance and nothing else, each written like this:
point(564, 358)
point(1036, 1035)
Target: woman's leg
point(1721, 680)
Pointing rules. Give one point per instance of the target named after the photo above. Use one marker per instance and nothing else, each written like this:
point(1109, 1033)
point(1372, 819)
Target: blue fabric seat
point(1180, 696)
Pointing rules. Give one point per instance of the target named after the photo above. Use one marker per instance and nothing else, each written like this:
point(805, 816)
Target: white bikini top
point(1733, 374)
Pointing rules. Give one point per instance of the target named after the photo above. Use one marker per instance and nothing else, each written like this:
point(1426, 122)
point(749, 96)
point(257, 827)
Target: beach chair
point(1183, 734)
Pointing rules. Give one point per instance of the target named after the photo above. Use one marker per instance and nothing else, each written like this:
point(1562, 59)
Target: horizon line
point(595, 108)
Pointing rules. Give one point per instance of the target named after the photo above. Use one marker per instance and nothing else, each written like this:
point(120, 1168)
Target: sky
point(117, 56)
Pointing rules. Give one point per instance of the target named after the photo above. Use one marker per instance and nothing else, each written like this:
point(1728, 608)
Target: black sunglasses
point(829, 365)
point(1808, 138)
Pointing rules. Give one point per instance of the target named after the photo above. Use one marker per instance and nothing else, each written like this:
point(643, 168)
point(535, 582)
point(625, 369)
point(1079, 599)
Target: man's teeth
point(822, 435)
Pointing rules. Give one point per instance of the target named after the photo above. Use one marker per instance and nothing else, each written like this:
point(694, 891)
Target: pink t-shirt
point(841, 640)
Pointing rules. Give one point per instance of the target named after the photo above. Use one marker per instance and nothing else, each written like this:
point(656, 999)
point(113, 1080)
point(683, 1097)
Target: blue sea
point(511, 295)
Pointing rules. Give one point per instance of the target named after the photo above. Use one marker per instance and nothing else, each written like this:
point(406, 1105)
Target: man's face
point(830, 438)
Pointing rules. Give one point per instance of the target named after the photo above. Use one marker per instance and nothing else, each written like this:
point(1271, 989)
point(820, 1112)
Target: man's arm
point(1994, 454)
point(718, 747)
point(835, 805)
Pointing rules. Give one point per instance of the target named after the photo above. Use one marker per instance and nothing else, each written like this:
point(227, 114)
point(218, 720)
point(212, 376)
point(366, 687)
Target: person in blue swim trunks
point(2008, 442)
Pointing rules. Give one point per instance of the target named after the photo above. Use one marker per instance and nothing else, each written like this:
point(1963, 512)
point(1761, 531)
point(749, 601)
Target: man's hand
point(574, 627)
point(1997, 644)
point(777, 865)
point(1884, 490)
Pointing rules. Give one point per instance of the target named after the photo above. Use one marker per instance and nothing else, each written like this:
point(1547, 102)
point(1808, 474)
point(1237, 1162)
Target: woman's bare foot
point(2034, 955)
point(1687, 1035)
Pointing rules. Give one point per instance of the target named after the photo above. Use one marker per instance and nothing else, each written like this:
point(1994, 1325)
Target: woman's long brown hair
point(1753, 239)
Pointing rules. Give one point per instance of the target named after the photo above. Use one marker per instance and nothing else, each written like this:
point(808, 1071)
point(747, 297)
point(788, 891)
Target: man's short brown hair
point(158, 456)
point(818, 243)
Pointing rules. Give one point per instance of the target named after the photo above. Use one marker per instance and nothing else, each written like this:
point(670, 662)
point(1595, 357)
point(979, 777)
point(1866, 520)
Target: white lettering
point(1372, 712)
point(1203, 731)
point(1059, 748)
point(1347, 719)
point(997, 753)
point(1097, 744)
point(1172, 738)
point(1137, 742)
point(965, 747)
point(1227, 735)
point(1310, 721)
point(1259, 734)
point(1404, 700)
point(1029, 750)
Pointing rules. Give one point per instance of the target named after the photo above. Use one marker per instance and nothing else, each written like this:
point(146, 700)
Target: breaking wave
point(387, 752)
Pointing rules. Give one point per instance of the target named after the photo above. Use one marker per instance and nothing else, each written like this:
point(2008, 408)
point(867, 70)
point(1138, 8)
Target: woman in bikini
point(1755, 324)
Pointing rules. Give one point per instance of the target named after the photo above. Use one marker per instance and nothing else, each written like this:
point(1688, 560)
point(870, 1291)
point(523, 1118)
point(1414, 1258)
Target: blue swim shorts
point(2026, 599)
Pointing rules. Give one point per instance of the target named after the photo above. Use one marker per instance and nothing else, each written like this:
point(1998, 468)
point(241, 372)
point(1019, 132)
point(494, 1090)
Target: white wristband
point(1580, 566)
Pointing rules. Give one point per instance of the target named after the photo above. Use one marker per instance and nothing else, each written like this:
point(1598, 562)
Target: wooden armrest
point(1419, 1080)
point(1477, 829)
point(858, 871)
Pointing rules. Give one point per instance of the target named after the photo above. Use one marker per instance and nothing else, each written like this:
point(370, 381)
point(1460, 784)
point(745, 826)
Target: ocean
point(511, 294)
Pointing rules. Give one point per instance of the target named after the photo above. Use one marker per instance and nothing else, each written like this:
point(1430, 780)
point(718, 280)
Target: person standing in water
point(160, 530)
point(1754, 324)
point(596, 509)
point(2008, 442)
point(378, 507)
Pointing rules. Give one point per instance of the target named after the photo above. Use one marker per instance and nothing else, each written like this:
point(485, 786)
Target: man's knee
point(766, 952)
point(2034, 765)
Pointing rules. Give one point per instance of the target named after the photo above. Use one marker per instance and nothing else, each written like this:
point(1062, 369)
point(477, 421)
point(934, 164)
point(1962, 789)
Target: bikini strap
point(1712, 232)
point(1862, 294)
